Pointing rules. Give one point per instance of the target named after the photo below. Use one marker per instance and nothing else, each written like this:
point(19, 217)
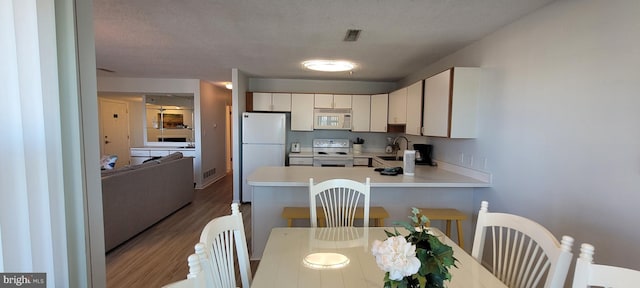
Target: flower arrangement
point(416, 260)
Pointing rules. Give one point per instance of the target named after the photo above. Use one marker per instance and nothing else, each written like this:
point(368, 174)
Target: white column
point(32, 195)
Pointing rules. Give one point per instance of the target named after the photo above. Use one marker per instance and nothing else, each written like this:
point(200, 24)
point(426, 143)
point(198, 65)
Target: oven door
point(332, 162)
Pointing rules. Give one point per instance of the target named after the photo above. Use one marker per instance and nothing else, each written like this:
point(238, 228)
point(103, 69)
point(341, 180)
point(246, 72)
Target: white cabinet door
point(300, 161)
point(398, 106)
point(323, 101)
point(414, 109)
point(450, 103)
point(360, 113)
point(379, 108)
point(281, 102)
point(341, 101)
point(302, 112)
point(330, 101)
point(261, 101)
point(278, 102)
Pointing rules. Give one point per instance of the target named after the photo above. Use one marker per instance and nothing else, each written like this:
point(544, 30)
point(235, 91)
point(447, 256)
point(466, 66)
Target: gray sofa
point(136, 197)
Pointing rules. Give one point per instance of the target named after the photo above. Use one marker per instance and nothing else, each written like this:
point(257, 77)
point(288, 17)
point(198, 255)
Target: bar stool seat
point(447, 214)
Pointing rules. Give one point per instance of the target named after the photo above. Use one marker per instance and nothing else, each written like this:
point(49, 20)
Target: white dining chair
point(523, 250)
point(213, 263)
point(339, 200)
point(589, 274)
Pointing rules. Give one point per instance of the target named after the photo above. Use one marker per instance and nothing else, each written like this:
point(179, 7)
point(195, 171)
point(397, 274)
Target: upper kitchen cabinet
point(332, 101)
point(398, 106)
point(302, 112)
point(278, 102)
point(379, 110)
point(450, 103)
point(361, 113)
point(414, 109)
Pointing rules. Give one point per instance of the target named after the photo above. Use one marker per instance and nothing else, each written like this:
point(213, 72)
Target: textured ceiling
point(205, 39)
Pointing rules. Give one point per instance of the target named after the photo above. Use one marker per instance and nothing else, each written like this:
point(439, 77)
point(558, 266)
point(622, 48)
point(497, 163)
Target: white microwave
point(335, 119)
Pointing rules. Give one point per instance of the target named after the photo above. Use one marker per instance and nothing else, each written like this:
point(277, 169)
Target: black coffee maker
point(424, 157)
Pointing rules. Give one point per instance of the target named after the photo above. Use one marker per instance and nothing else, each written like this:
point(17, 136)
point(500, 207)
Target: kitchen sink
point(391, 158)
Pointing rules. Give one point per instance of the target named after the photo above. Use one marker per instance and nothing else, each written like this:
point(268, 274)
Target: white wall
point(319, 86)
point(239, 105)
point(213, 101)
point(559, 122)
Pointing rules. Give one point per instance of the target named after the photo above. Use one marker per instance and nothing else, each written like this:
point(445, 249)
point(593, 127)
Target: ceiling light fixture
point(329, 65)
point(325, 261)
point(229, 85)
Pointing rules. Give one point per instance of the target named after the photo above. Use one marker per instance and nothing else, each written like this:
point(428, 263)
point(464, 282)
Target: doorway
point(114, 130)
point(229, 139)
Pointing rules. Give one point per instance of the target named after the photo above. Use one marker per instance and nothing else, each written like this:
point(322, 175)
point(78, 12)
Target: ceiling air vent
point(352, 35)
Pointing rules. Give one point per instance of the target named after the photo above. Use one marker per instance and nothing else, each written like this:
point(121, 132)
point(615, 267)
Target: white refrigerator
point(263, 144)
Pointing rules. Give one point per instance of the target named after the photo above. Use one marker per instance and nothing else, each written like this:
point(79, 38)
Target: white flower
point(396, 256)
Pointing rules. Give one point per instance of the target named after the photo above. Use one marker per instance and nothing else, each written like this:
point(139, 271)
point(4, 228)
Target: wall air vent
point(352, 35)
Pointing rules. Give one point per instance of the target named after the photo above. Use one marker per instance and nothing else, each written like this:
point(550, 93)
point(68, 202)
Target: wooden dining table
point(283, 261)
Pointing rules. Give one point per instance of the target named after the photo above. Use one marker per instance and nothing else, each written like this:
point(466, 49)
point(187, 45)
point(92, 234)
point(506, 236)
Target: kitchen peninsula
point(447, 186)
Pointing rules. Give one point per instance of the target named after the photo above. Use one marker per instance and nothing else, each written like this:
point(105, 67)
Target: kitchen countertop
point(177, 148)
point(446, 185)
point(425, 176)
point(363, 155)
point(305, 154)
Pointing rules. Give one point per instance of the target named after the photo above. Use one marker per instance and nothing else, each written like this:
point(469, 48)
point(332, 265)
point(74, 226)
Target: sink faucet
point(396, 146)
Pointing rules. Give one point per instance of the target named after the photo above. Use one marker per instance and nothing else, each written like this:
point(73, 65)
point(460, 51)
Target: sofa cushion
point(171, 157)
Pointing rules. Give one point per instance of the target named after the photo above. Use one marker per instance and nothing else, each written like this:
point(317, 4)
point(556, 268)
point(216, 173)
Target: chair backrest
point(338, 238)
point(216, 251)
point(523, 250)
point(589, 274)
point(339, 199)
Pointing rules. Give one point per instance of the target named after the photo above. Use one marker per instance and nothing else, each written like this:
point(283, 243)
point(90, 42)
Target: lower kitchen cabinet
point(361, 161)
point(300, 160)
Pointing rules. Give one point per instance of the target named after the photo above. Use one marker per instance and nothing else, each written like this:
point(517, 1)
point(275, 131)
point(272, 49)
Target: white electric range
point(332, 153)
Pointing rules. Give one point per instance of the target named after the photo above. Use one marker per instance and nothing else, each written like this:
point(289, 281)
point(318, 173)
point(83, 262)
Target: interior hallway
point(158, 256)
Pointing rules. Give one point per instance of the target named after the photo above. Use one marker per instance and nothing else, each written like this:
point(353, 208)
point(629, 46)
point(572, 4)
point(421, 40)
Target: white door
point(114, 130)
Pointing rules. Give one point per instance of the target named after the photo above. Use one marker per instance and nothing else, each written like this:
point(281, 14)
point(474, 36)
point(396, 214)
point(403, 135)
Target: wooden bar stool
point(447, 214)
point(377, 214)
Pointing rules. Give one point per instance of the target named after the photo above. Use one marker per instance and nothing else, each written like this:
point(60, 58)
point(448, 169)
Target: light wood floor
point(158, 256)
